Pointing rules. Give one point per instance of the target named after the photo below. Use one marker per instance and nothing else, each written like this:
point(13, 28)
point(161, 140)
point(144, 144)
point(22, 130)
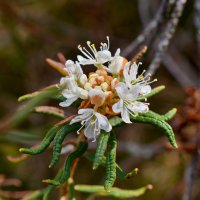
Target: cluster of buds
point(114, 89)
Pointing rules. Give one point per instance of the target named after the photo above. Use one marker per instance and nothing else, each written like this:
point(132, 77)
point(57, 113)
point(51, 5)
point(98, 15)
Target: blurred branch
point(167, 35)
point(197, 20)
point(143, 8)
point(189, 177)
point(149, 31)
point(197, 25)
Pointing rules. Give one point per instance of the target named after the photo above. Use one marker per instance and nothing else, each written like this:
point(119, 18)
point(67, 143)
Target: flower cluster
point(114, 89)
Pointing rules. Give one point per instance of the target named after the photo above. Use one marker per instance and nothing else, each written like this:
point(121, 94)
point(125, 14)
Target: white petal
point(76, 119)
point(134, 92)
point(117, 107)
point(72, 85)
point(116, 64)
point(133, 71)
point(63, 82)
point(117, 52)
point(79, 71)
point(80, 58)
point(104, 56)
point(103, 122)
point(85, 61)
point(139, 90)
point(122, 90)
point(125, 115)
point(138, 107)
point(68, 94)
point(68, 102)
point(83, 94)
point(69, 62)
point(146, 89)
point(89, 131)
point(126, 74)
point(70, 66)
point(86, 110)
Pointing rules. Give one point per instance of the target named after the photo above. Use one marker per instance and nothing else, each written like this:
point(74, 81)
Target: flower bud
point(83, 93)
point(114, 82)
point(100, 80)
point(83, 80)
point(87, 86)
point(97, 97)
point(104, 86)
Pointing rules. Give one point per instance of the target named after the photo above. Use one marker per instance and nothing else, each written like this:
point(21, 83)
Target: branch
point(149, 31)
point(167, 35)
point(190, 177)
point(197, 24)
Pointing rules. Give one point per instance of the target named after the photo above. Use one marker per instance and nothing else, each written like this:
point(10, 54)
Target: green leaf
point(58, 140)
point(119, 171)
point(35, 94)
point(50, 188)
point(34, 196)
point(111, 163)
point(44, 144)
point(70, 182)
point(80, 150)
point(101, 148)
point(114, 192)
point(49, 110)
point(164, 126)
point(23, 112)
point(115, 121)
point(166, 117)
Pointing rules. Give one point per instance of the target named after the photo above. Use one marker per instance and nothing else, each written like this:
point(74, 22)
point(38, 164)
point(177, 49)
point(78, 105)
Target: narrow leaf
point(44, 144)
point(80, 150)
point(101, 148)
point(114, 192)
point(164, 126)
point(58, 140)
point(111, 163)
point(50, 110)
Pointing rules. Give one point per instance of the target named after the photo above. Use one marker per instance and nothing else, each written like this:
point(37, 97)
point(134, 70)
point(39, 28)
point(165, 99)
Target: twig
point(167, 35)
point(148, 32)
point(189, 177)
point(190, 172)
point(197, 25)
point(143, 8)
point(64, 121)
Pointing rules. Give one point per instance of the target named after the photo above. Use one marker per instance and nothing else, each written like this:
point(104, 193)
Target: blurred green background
point(31, 31)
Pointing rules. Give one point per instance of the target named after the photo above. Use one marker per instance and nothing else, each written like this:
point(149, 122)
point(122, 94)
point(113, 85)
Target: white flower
point(74, 69)
point(94, 57)
point(93, 121)
point(117, 64)
point(128, 104)
point(131, 79)
point(131, 91)
point(71, 91)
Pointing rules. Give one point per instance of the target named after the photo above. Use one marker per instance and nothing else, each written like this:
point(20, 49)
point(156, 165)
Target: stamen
point(90, 46)
point(88, 52)
point(78, 132)
point(108, 42)
point(93, 46)
point(81, 49)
